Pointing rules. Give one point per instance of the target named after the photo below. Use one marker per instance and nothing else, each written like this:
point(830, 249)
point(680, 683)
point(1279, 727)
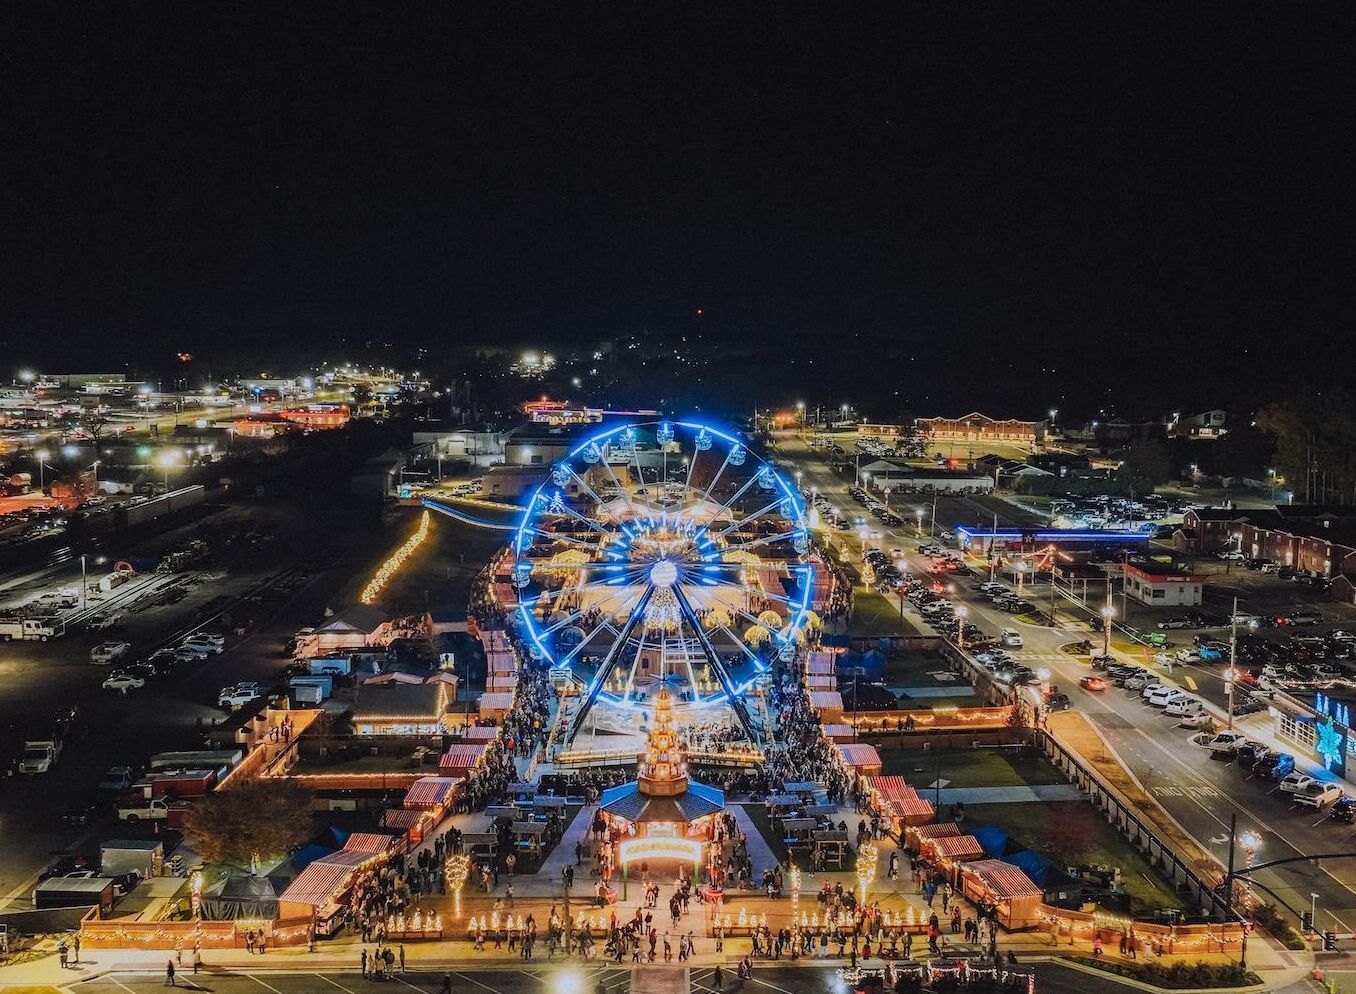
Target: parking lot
point(562, 978)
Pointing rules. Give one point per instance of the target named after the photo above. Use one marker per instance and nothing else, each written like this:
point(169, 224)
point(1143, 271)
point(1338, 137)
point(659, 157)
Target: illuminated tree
point(250, 822)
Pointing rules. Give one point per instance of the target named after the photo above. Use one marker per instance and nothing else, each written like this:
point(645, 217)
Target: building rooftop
point(391, 701)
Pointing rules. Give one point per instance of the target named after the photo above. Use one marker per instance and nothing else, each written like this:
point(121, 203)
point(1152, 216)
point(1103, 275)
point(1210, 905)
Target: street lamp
point(1108, 612)
point(168, 459)
point(918, 512)
point(961, 612)
point(42, 455)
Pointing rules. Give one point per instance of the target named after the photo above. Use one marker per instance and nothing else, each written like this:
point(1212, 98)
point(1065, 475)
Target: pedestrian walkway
point(1009, 795)
point(760, 853)
point(577, 831)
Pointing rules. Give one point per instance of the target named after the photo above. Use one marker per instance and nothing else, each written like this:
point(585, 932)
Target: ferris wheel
point(663, 553)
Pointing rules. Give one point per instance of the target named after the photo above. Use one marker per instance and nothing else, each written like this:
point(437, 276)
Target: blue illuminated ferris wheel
point(663, 552)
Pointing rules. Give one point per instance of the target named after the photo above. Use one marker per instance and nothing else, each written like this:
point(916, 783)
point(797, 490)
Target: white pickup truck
point(132, 810)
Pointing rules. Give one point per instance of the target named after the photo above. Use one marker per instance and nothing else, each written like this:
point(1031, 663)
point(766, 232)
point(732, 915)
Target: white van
point(1012, 638)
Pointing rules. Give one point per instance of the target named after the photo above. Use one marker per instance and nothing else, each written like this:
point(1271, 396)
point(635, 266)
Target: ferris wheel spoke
point(748, 485)
point(596, 526)
point(573, 616)
point(617, 483)
point(765, 540)
point(635, 665)
point(760, 591)
point(706, 494)
point(751, 517)
point(557, 537)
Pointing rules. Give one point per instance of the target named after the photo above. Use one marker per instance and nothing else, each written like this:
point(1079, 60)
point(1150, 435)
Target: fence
point(1175, 868)
point(120, 934)
point(1123, 815)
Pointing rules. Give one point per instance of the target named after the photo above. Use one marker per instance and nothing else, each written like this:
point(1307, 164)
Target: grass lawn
point(872, 615)
point(1073, 833)
point(970, 767)
point(913, 669)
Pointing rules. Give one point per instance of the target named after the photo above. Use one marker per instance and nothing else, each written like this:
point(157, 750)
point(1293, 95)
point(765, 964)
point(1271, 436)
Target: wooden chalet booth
point(1015, 898)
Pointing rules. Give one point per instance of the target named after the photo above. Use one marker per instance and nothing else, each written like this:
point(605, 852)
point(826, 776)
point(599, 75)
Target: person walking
point(362, 958)
point(197, 959)
point(446, 988)
point(63, 953)
point(402, 957)
point(718, 979)
point(75, 947)
point(169, 974)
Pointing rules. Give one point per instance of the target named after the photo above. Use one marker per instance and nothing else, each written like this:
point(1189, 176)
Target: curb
point(1141, 985)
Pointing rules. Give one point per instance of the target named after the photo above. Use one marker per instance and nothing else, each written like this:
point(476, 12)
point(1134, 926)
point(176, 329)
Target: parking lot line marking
point(121, 984)
point(772, 986)
point(407, 983)
point(262, 984)
point(336, 983)
point(476, 982)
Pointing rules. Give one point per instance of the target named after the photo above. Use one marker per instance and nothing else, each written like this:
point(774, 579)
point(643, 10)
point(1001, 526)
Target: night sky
point(1058, 203)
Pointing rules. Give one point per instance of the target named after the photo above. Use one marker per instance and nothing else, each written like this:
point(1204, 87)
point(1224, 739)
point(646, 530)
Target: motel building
point(1157, 584)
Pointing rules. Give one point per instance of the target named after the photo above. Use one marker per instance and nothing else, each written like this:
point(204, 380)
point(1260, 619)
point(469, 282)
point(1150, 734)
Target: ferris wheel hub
point(664, 573)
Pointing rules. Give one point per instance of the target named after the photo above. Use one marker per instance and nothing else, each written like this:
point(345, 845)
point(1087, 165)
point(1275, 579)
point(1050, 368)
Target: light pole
point(961, 612)
point(1231, 674)
point(1108, 612)
point(42, 455)
point(919, 514)
point(84, 582)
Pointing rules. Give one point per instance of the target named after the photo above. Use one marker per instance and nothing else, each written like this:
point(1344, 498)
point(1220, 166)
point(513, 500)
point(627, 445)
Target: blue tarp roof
point(1033, 864)
point(992, 838)
point(307, 855)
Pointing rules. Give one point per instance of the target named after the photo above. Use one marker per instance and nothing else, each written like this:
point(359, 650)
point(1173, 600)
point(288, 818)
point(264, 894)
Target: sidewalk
point(344, 956)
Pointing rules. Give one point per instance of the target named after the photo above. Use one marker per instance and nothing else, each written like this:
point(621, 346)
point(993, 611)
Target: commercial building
point(883, 473)
point(1314, 539)
point(397, 708)
point(1207, 530)
point(977, 427)
point(1162, 585)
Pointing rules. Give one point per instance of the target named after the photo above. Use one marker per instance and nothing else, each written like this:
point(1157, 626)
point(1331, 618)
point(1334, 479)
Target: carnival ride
point(662, 553)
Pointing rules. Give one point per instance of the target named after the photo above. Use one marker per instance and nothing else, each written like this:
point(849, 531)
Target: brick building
point(976, 427)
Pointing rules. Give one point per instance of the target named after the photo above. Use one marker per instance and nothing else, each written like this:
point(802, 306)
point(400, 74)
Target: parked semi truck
point(30, 629)
point(40, 755)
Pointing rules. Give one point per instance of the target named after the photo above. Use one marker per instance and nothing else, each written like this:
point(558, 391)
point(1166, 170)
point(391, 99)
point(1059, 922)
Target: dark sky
point(1110, 191)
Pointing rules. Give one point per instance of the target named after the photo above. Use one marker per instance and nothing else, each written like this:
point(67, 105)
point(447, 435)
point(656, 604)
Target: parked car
point(1295, 780)
point(124, 682)
point(211, 640)
point(1162, 696)
point(1012, 638)
point(1250, 753)
point(231, 698)
point(1180, 621)
point(1316, 795)
point(107, 653)
point(1276, 765)
point(1184, 707)
point(1344, 810)
point(1227, 742)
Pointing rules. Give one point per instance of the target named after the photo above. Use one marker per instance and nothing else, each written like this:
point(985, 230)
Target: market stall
point(860, 757)
point(1016, 900)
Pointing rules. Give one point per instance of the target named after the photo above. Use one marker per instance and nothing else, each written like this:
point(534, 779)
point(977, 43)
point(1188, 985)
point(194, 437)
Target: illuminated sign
point(664, 847)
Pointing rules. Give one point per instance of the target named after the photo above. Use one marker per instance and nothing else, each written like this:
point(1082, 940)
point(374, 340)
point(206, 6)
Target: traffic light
point(1329, 940)
point(1306, 921)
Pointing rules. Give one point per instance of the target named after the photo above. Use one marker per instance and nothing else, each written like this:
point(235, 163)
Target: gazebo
point(663, 811)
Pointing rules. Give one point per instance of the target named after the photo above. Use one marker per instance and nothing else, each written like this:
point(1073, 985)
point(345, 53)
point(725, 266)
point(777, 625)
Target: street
point(1199, 791)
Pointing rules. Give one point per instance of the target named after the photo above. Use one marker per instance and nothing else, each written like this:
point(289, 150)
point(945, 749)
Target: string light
point(397, 560)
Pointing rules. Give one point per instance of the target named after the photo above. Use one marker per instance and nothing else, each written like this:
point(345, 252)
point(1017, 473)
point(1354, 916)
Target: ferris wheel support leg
point(717, 667)
point(608, 664)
